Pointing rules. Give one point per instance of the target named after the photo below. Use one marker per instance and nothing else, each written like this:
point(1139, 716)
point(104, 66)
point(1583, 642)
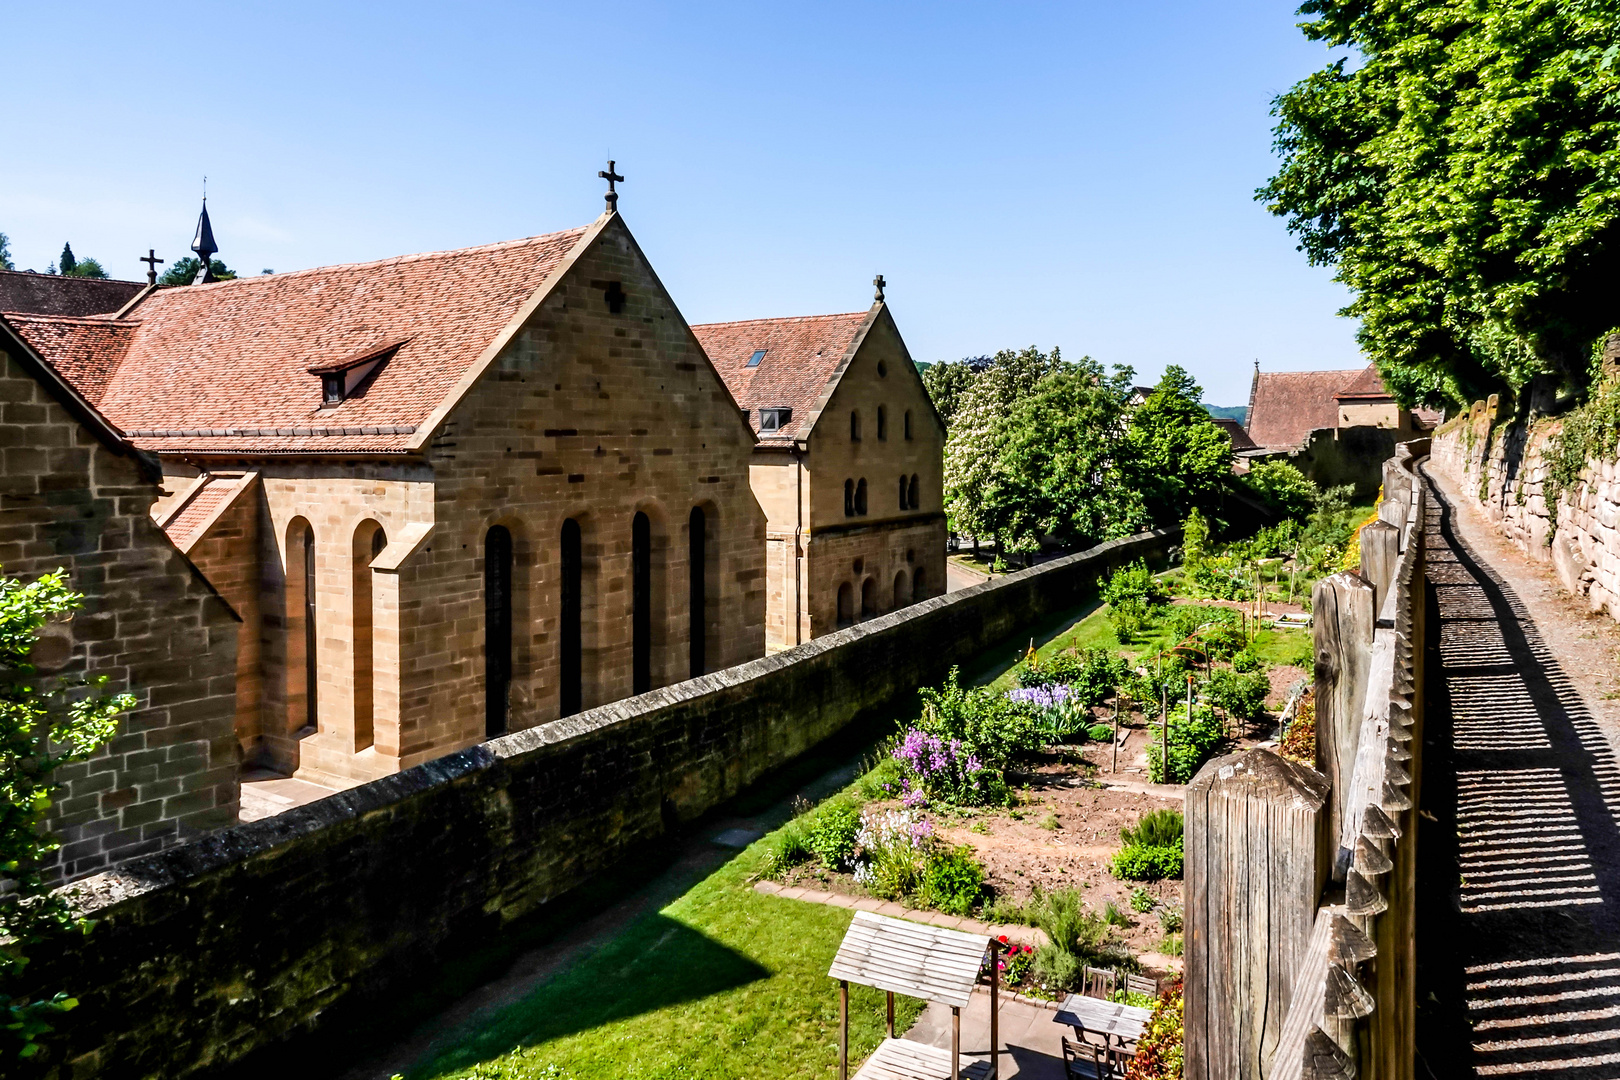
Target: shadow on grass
point(657, 962)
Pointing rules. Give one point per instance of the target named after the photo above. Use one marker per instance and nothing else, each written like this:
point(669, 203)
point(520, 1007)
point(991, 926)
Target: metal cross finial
point(151, 260)
point(611, 177)
point(879, 282)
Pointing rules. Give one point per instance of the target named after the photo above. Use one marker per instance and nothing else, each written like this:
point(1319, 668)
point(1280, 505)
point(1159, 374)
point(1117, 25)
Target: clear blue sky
point(1072, 174)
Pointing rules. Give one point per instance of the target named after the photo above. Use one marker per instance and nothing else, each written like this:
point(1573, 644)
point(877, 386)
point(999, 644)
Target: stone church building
point(465, 492)
point(849, 466)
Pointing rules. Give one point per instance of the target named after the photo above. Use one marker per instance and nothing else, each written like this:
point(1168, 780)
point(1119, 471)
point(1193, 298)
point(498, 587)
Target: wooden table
point(1124, 1023)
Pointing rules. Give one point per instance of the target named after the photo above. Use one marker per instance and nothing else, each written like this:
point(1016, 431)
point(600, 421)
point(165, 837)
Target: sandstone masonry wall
point(257, 934)
point(150, 623)
point(1500, 462)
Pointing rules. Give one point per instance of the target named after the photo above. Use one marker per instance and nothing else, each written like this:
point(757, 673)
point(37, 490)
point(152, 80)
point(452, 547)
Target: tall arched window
point(914, 492)
point(902, 596)
point(869, 601)
point(918, 588)
point(570, 654)
point(640, 604)
point(497, 629)
point(883, 424)
point(855, 426)
point(860, 497)
point(311, 710)
point(908, 423)
point(849, 498)
point(846, 604)
point(903, 489)
point(696, 556)
point(369, 540)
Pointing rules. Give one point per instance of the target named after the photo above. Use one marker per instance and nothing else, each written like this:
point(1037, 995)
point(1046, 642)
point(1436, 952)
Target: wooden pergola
point(926, 962)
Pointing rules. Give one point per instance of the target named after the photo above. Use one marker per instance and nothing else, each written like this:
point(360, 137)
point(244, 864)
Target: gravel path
point(1519, 888)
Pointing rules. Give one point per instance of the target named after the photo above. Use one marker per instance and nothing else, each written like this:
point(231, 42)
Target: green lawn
point(724, 982)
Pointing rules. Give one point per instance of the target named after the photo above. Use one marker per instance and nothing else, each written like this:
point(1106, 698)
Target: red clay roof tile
point(1289, 405)
point(801, 354)
point(85, 351)
point(224, 367)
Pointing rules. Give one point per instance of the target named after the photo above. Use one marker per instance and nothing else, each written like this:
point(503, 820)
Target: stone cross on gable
point(151, 260)
point(879, 283)
point(611, 177)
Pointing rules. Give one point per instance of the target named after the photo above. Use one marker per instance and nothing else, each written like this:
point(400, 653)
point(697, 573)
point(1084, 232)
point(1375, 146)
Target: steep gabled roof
point(53, 294)
point(224, 367)
point(1234, 430)
point(85, 351)
point(1286, 406)
point(802, 356)
point(1367, 386)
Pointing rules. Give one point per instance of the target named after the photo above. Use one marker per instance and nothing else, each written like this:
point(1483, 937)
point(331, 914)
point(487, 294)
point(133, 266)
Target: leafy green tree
point(68, 261)
point(1178, 457)
point(87, 268)
point(1061, 470)
point(1463, 177)
point(45, 723)
point(1285, 487)
point(946, 381)
point(5, 252)
point(184, 271)
point(978, 434)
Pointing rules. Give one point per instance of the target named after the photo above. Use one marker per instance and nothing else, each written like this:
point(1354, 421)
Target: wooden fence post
point(1380, 550)
point(1256, 861)
point(1342, 619)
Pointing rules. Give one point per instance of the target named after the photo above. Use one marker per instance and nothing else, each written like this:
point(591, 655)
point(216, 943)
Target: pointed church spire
point(203, 244)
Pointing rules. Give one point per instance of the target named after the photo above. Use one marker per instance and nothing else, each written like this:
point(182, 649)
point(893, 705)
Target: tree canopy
point(1461, 171)
point(184, 271)
point(5, 252)
point(946, 380)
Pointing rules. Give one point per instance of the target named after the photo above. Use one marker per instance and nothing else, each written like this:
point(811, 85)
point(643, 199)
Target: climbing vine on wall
point(1591, 431)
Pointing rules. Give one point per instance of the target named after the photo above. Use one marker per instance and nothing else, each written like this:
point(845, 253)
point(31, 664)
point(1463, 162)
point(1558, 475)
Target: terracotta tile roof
point(85, 351)
point(225, 367)
point(186, 526)
point(51, 294)
point(1286, 406)
point(801, 354)
point(1240, 438)
point(1365, 385)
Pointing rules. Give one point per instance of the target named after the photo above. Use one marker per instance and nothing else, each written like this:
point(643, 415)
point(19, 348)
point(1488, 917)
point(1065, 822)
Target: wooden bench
point(902, 1059)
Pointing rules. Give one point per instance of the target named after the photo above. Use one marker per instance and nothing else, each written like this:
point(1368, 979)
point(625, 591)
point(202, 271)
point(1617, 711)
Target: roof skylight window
point(753, 361)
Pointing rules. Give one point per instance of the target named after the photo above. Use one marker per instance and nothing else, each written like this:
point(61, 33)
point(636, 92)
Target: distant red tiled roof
point(1286, 406)
point(85, 351)
point(54, 294)
point(802, 354)
point(225, 367)
point(1240, 438)
point(1366, 385)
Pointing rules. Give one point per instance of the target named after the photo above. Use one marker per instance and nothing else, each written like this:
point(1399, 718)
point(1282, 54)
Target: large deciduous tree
point(1178, 458)
point(1460, 169)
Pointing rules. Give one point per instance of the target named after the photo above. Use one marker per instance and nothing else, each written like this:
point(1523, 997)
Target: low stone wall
point(216, 949)
point(1499, 462)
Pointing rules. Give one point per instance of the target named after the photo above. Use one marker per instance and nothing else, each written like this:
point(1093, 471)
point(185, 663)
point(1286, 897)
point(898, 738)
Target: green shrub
point(1191, 744)
point(1137, 862)
point(1170, 919)
point(1128, 618)
point(1142, 901)
point(1069, 924)
point(1100, 732)
point(988, 724)
point(1239, 694)
point(1246, 659)
point(895, 849)
point(1284, 487)
point(953, 881)
point(830, 833)
point(1058, 970)
point(1156, 828)
point(1133, 582)
point(789, 848)
point(1113, 916)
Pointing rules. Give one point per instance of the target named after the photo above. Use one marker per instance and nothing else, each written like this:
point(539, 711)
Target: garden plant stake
point(1164, 727)
point(1115, 767)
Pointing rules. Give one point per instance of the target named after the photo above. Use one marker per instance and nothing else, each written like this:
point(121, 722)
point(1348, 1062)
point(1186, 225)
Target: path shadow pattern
point(1525, 789)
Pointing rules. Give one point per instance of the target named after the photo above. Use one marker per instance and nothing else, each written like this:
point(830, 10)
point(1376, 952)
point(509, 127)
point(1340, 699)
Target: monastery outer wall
point(373, 888)
point(1499, 462)
point(150, 623)
point(228, 557)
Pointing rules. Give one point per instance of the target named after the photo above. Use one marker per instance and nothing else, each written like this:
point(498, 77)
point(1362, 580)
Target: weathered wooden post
point(1256, 861)
point(1342, 617)
point(1380, 550)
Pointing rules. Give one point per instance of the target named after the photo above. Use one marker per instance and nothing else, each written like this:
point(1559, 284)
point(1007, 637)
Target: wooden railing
point(1300, 880)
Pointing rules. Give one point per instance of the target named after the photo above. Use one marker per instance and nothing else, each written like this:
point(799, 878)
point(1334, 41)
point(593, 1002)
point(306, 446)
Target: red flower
point(1002, 939)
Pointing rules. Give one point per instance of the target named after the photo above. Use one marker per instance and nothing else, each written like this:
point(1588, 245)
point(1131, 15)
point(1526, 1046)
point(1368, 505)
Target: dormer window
point(774, 419)
point(341, 378)
point(753, 361)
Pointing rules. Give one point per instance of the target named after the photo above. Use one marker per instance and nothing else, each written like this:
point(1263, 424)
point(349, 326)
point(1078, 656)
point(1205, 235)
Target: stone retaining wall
point(217, 949)
point(1498, 461)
